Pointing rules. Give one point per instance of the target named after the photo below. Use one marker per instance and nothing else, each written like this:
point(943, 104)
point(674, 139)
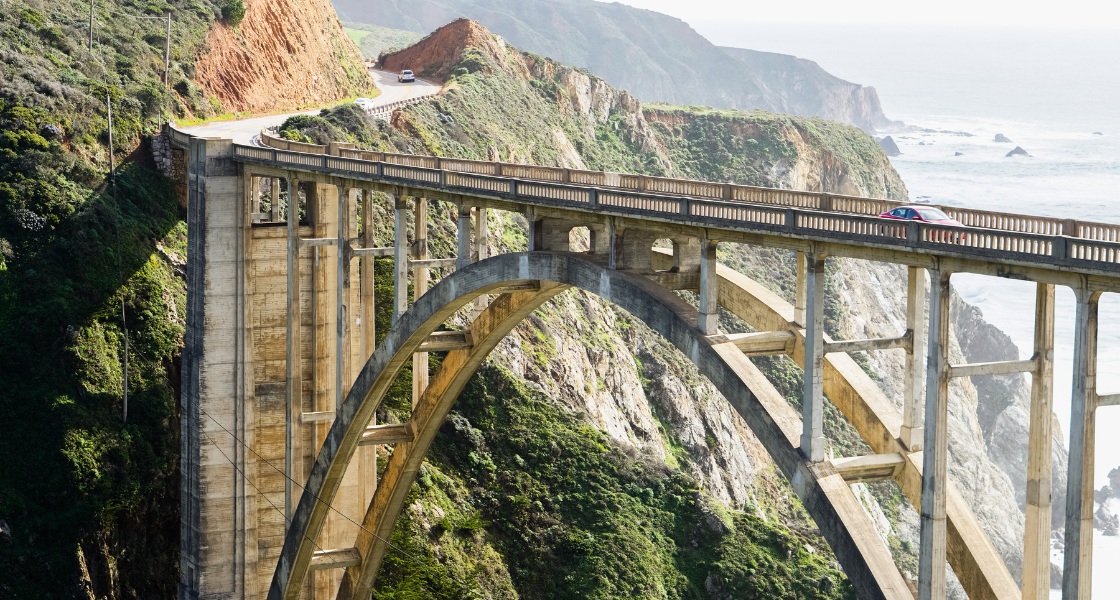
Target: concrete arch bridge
point(282, 379)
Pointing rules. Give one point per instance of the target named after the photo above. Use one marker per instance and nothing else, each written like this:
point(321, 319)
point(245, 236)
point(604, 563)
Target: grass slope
point(91, 501)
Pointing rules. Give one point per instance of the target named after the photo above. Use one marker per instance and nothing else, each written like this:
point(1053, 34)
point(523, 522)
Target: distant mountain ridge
point(656, 57)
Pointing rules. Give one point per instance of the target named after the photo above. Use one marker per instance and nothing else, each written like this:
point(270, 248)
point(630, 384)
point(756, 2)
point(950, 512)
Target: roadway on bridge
point(243, 131)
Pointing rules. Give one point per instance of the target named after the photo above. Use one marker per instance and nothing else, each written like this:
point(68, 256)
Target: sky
point(1061, 14)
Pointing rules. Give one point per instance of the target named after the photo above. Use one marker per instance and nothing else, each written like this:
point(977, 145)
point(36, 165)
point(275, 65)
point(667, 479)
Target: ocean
point(1054, 93)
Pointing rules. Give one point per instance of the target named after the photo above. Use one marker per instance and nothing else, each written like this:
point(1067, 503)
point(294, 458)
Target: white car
point(405, 76)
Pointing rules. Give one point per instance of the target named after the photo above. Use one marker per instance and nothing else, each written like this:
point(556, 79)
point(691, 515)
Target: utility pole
point(91, 25)
point(167, 52)
point(124, 325)
point(112, 168)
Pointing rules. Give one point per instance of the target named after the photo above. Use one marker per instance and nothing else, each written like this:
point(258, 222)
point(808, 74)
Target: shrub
point(233, 11)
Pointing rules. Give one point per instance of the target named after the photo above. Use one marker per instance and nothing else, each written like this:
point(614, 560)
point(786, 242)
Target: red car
point(927, 214)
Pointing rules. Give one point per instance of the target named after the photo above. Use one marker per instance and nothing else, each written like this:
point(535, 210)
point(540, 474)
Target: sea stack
point(888, 146)
point(1018, 151)
point(1001, 139)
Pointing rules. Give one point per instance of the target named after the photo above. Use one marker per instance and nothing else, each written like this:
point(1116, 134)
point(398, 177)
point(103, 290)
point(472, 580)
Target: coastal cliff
point(653, 56)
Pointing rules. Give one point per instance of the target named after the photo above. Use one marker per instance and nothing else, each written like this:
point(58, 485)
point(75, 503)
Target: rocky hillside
point(653, 56)
point(89, 499)
point(282, 56)
point(596, 363)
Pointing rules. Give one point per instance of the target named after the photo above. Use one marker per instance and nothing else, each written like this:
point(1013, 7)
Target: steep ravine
point(596, 362)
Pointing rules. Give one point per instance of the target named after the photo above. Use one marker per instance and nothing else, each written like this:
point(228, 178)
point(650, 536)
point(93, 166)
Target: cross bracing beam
point(372, 252)
point(432, 263)
point(872, 467)
point(763, 343)
point(1009, 367)
point(445, 341)
point(321, 416)
point(387, 434)
point(312, 242)
point(335, 559)
point(1108, 400)
point(901, 342)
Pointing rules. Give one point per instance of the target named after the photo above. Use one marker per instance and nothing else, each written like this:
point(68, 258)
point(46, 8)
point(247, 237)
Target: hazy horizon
point(990, 14)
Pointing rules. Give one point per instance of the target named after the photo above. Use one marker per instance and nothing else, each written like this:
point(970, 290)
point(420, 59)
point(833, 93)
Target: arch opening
point(828, 499)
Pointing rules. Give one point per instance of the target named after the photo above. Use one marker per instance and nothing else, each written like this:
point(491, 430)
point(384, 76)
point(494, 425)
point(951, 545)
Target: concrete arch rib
point(825, 494)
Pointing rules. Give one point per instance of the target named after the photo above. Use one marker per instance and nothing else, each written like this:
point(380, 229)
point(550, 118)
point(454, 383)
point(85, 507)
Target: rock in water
point(1018, 151)
point(1097, 133)
point(1001, 139)
point(888, 145)
point(958, 154)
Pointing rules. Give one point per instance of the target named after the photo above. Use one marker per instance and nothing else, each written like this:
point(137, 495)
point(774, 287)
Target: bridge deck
point(848, 225)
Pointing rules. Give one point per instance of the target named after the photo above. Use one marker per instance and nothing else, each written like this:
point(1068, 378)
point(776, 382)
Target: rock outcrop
point(1001, 139)
point(888, 145)
point(283, 56)
point(1018, 151)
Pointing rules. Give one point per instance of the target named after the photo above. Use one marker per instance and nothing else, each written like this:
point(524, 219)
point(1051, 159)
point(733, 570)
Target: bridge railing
point(990, 220)
point(743, 193)
point(1035, 239)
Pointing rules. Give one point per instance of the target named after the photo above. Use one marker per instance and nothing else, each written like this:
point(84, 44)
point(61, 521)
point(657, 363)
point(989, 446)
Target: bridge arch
point(525, 281)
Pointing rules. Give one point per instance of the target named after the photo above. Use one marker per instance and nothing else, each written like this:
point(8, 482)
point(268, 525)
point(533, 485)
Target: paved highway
point(244, 130)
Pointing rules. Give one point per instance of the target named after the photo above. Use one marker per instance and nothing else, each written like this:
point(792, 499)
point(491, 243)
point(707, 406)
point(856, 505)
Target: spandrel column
point(935, 455)
point(812, 397)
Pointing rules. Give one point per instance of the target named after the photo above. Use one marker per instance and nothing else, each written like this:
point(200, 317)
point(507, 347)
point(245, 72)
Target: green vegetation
point(521, 494)
point(81, 490)
point(233, 11)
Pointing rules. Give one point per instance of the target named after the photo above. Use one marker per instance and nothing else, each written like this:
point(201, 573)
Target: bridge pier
point(1077, 574)
point(420, 373)
point(935, 455)
point(709, 285)
point(1036, 538)
point(915, 382)
point(400, 256)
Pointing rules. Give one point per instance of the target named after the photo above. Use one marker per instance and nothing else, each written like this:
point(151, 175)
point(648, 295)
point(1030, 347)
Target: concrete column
point(323, 210)
point(687, 254)
point(1036, 537)
point(935, 456)
point(463, 257)
point(812, 397)
point(342, 295)
point(709, 288)
point(600, 241)
point(369, 314)
point(481, 252)
point(293, 358)
point(556, 234)
point(915, 380)
point(637, 250)
point(613, 246)
point(1077, 575)
point(274, 191)
point(400, 257)
point(799, 295)
point(420, 374)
